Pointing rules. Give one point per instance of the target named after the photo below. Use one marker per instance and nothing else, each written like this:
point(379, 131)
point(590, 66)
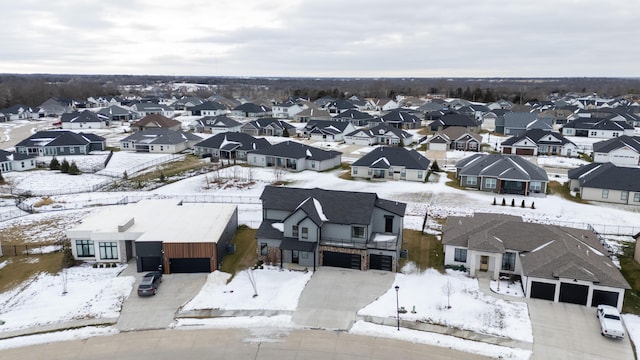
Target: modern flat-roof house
point(159, 140)
point(60, 142)
point(183, 238)
point(230, 145)
point(502, 174)
point(539, 142)
point(391, 163)
point(317, 227)
point(606, 182)
point(87, 119)
point(16, 162)
point(621, 151)
point(555, 263)
point(291, 155)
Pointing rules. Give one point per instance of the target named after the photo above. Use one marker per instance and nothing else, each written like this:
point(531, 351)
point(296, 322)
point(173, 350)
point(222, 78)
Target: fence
point(138, 168)
point(18, 250)
point(73, 190)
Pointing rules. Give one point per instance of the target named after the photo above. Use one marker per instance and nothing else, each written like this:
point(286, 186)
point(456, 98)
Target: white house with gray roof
point(621, 151)
point(606, 182)
point(391, 163)
point(381, 134)
point(555, 263)
point(502, 174)
point(87, 119)
point(159, 140)
point(313, 227)
point(294, 156)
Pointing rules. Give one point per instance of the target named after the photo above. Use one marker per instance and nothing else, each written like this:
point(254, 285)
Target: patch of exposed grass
point(454, 183)
point(21, 268)
point(586, 157)
point(425, 250)
point(631, 272)
point(346, 175)
point(44, 202)
point(245, 255)
point(174, 168)
point(555, 188)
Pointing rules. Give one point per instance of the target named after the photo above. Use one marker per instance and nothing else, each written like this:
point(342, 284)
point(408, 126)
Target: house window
point(108, 250)
point(615, 134)
point(636, 197)
point(605, 194)
point(294, 230)
point(263, 249)
point(624, 195)
point(403, 174)
point(472, 180)
point(72, 150)
point(460, 255)
point(509, 261)
point(313, 164)
point(304, 254)
point(535, 186)
point(357, 232)
point(593, 133)
point(355, 171)
point(305, 232)
point(419, 174)
point(161, 147)
point(490, 183)
point(151, 147)
point(369, 172)
point(84, 248)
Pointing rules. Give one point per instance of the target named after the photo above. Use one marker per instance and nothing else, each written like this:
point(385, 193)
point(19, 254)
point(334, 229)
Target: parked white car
point(610, 322)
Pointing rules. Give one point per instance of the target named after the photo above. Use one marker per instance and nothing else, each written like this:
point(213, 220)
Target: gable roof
point(296, 150)
point(607, 176)
point(85, 116)
point(331, 126)
point(219, 121)
point(161, 136)
point(632, 142)
point(353, 114)
point(59, 138)
point(13, 156)
point(209, 105)
point(537, 137)
point(239, 141)
point(401, 116)
point(453, 119)
point(546, 251)
point(384, 157)
point(156, 120)
point(501, 166)
point(456, 132)
point(272, 122)
point(252, 108)
point(359, 211)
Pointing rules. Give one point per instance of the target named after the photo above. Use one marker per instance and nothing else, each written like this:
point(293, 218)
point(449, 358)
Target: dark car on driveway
point(149, 284)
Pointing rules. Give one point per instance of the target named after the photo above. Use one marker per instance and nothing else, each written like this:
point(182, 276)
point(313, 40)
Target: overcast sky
point(323, 38)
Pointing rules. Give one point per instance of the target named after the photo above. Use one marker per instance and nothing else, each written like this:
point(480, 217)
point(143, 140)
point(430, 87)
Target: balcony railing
point(377, 241)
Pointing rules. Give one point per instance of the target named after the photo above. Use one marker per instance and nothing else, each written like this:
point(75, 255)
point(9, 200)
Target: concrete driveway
point(567, 331)
point(333, 296)
point(157, 312)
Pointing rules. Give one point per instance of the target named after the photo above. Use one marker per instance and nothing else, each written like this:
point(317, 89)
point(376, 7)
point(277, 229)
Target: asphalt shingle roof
point(295, 150)
point(246, 142)
point(385, 156)
point(507, 167)
point(607, 176)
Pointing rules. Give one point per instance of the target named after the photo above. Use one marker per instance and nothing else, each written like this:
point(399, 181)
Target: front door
point(295, 256)
point(484, 263)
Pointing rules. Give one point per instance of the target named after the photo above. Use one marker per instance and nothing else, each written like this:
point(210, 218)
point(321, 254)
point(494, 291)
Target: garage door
point(150, 263)
point(524, 151)
point(342, 260)
point(192, 265)
point(380, 262)
point(601, 297)
point(540, 290)
point(574, 293)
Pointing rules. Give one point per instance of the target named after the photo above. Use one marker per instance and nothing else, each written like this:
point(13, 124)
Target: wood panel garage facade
point(181, 237)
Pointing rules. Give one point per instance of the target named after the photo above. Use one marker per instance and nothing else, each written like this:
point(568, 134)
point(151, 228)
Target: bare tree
point(448, 290)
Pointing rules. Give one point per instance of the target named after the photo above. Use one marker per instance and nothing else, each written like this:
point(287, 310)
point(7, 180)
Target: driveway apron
point(333, 296)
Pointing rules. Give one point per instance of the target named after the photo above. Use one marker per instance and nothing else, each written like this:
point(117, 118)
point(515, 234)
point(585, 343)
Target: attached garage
point(524, 151)
point(602, 297)
point(380, 262)
point(574, 293)
point(342, 260)
point(542, 290)
point(150, 263)
point(190, 265)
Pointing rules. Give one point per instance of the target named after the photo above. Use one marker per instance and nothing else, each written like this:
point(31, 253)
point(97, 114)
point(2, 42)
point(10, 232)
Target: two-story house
point(313, 227)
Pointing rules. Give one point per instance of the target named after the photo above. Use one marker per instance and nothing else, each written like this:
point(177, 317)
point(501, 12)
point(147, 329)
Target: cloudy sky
point(323, 38)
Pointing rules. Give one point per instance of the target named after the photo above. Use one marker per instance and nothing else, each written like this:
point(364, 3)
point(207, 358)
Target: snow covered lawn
point(431, 293)
point(91, 293)
point(506, 287)
point(632, 323)
point(47, 181)
point(277, 289)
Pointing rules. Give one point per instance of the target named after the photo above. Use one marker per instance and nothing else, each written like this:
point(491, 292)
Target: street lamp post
point(397, 307)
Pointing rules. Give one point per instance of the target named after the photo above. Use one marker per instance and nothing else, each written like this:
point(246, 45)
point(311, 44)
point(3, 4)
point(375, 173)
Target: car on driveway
point(149, 284)
point(610, 321)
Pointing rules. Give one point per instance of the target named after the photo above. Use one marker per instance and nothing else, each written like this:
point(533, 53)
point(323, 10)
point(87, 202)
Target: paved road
point(13, 132)
point(234, 344)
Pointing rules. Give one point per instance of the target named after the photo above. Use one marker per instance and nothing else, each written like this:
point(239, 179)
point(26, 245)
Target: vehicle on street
point(149, 284)
point(610, 322)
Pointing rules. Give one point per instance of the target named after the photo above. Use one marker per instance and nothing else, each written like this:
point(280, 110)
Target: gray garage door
point(540, 290)
point(601, 297)
point(150, 263)
point(574, 293)
point(342, 260)
point(192, 265)
point(380, 262)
